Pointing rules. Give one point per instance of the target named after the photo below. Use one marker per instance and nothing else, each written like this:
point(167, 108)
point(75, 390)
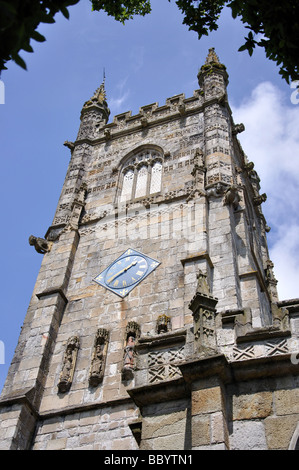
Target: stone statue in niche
point(98, 360)
point(40, 244)
point(202, 284)
point(163, 324)
point(69, 363)
point(131, 338)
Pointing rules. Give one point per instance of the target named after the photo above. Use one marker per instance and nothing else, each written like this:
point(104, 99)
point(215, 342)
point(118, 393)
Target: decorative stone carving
point(69, 363)
point(257, 201)
point(94, 115)
point(202, 284)
point(131, 338)
point(163, 324)
point(253, 176)
point(98, 360)
point(76, 209)
point(238, 128)
point(69, 145)
point(162, 364)
point(182, 109)
point(232, 197)
point(281, 319)
point(271, 281)
point(216, 191)
point(107, 134)
point(40, 244)
point(203, 306)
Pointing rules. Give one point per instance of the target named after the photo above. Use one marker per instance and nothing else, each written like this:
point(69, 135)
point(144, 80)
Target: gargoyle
point(40, 244)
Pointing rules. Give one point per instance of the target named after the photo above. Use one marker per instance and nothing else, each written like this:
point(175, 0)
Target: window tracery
point(141, 175)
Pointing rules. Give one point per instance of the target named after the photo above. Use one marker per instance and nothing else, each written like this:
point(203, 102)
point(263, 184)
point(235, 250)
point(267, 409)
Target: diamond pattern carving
point(162, 364)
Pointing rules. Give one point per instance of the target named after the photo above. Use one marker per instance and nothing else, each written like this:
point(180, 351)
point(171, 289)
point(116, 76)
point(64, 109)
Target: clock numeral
point(116, 284)
point(140, 273)
point(124, 284)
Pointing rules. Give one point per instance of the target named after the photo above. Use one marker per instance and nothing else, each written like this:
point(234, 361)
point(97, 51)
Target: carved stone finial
point(98, 106)
point(212, 57)
point(40, 244)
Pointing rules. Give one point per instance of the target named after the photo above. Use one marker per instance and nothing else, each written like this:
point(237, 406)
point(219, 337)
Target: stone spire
point(212, 66)
point(94, 114)
point(212, 57)
point(98, 102)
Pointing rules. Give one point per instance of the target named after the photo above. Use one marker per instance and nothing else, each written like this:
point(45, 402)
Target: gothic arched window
point(141, 175)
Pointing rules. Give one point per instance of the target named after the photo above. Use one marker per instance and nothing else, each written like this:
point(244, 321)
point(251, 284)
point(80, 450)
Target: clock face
point(126, 272)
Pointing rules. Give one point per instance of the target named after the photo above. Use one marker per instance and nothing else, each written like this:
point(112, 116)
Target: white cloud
point(116, 104)
point(271, 141)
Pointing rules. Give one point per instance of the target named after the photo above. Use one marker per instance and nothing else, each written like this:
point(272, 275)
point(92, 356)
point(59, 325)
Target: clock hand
point(122, 271)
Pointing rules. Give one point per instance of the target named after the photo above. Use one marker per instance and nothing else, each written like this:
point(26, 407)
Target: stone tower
point(155, 322)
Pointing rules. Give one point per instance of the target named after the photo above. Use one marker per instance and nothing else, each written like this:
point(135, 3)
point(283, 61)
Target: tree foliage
point(19, 20)
point(273, 25)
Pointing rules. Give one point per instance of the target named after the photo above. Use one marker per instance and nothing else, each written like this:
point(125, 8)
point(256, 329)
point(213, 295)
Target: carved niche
point(131, 338)
point(163, 324)
point(69, 363)
point(99, 355)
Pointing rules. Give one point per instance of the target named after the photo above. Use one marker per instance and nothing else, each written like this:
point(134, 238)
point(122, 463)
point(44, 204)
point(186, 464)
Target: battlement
point(151, 114)
point(174, 106)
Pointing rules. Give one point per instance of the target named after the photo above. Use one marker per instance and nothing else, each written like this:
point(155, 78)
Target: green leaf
point(65, 12)
point(37, 36)
point(19, 61)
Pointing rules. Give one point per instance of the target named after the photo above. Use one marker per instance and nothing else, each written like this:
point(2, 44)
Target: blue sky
point(148, 60)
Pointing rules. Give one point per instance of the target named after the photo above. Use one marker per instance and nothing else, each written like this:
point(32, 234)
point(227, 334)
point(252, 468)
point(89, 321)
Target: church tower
point(155, 322)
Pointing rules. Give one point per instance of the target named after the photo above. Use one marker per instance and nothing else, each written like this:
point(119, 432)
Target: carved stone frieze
point(162, 364)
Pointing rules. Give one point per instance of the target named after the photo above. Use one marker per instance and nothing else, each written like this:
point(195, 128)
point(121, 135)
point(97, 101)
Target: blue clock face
point(126, 272)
